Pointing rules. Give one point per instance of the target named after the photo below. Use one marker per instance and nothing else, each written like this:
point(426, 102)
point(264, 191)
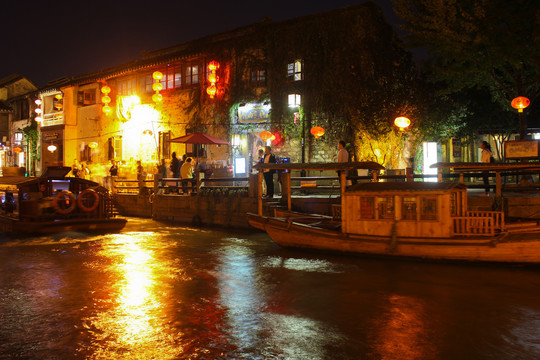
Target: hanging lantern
point(317, 131)
point(51, 148)
point(212, 78)
point(38, 111)
point(520, 103)
point(106, 90)
point(106, 99)
point(157, 86)
point(17, 149)
point(157, 75)
point(38, 119)
point(211, 90)
point(157, 97)
point(58, 96)
point(58, 106)
point(266, 135)
point(93, 145)
point(213, 65)
point(38, 102)
point(106, 109)
point(402, 122)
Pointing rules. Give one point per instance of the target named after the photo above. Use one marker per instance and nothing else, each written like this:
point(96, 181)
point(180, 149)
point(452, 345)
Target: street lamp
point(520, 103)
point(402, 123)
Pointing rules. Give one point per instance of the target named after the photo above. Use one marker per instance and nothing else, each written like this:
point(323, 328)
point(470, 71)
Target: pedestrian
point(487, 157)
point(113, 170)
point(261, 156)
point(187, 175)
point(84, 172)
point(175, 166)
point(268, 174)
point(342, 156)
point(75, 168)
point(162, 169)
point(141, 176)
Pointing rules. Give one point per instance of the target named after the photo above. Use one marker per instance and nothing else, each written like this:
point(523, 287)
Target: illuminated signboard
point(520, 149)
point(253, 113)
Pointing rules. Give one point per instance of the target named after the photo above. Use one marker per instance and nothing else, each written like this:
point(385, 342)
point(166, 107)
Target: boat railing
point(498, 217)
point(474, 226)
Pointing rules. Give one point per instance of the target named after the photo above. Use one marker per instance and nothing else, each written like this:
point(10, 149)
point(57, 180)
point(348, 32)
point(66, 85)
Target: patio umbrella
point(198, 138)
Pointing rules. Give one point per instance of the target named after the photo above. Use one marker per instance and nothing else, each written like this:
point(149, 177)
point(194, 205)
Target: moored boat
point(407, 219)
point(54, 203)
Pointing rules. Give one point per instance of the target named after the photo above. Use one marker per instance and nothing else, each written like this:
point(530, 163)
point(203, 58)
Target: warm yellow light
point(93, 145)
point(157, 86)
point(51, 148)
point(402, 122)
point(157, 75)
point(213, 65)
point(106, 99)
point(59, 106)
point(520, 103)
point(58, 96)
point(106, 109)
point(213, 78)
point(211, 90)
point(38, 102)
point(38, 111)
point(157, 98)
point(38, 119)
point(106, 89)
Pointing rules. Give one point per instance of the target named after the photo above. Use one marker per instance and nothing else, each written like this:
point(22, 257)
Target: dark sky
point(46, 40)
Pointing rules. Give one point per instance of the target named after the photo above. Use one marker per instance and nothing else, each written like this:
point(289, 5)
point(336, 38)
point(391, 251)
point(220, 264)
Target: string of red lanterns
point(157, 86)
point(106, 100)
point(213, 66)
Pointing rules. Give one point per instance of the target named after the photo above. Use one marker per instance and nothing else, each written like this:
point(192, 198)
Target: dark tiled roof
point(405, 186)
point(10, 79)
point(4, 107)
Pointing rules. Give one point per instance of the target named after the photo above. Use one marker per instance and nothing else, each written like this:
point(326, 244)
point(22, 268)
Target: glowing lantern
point(265, 135)
point(38, 102)
point(402, 123)
point(106, 109)
point(93, 145)
point(157, 97)
point(17, 149)
point(211, 90)
point(157, 75)
point(58, 96)
point(59, 106)
point(38, 119)
point(51, 148)
point(106, 99)
point(317, 131)
point(106, 89)
point(213, 65)
point(38, 111)
point(520, 103)
point(157, 86)
point(213, 78)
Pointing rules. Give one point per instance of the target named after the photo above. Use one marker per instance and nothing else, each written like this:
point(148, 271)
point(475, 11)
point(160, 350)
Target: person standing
point(342, 156)
point(187, 175)
point(175, 166)
point(75, 168)
point(268, 174)
point(113, 170)
point(486, 158)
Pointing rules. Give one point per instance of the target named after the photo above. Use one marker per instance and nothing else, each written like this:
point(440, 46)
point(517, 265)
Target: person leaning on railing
point(186, 173)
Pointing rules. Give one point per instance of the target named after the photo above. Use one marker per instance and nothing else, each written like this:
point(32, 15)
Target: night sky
point(46, 40)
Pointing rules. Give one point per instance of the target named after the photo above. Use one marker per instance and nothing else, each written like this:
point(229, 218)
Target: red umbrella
point(199, 138)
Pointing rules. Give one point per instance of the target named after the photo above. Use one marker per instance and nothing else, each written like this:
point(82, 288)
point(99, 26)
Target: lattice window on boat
point(453, 203)
point(429, 208)
point(385, 206)
point(367, 208)
point(408, 208)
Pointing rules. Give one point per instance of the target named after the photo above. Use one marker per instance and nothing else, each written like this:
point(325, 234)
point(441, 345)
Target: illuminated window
point(385, 207)
point(367, 210)
point(258, 76)
point(408, 208)
point(295, 100)
point(429, 208)
point(18, 136)
point(172, 78)
point(192, 75)
point(295, 70)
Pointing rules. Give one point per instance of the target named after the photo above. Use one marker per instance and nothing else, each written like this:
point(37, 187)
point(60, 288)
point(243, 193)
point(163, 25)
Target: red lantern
point(520, 103)
point(317, 131)
point(265, 135)
point(157, 75)
point(157, 86)
point(211, 90)
point(106, 109)
point(106, 99)
point(213, 78)
point(402, 122)
point(106, 89)
point(17, 149)
point(213, 65)
point(157, 97)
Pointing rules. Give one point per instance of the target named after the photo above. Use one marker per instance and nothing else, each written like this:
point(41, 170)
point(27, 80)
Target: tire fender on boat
point(80, 200)
point(61, 196)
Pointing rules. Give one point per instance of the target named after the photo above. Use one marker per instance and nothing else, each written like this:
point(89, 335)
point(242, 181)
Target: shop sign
point(520, 149)
point(253, 113)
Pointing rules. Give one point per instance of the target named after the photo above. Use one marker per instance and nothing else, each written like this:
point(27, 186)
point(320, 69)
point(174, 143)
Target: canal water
point(161, 291)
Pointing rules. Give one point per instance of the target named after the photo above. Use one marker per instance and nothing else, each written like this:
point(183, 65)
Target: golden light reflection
point(402, 332)
point(131, 329)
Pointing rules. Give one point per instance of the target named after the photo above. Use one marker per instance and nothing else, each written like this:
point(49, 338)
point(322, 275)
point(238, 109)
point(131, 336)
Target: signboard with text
point(253, 113)
point(521, 149)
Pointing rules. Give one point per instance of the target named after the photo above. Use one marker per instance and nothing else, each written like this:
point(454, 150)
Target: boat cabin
point(413, 209)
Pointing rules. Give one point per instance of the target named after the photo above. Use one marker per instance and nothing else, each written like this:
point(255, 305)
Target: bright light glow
point(235, 140)
point(106, 99)
point(58, 96)
point(106, 90)
point(141, 139)
point(93, 145)
point(213, 65)
point(402, 122)
point(157, 98)
point(213, 78)
point(51, 148)
point(430, 158)
point(106, 109)
point(157, 75)
point(125, 104)
point(38, 119)
point(157, 86)
point(295, 100)
point(240, 165)
point(317, 131)
point(211, 90)
point(520, 103)
point(38, 111)
point(38, 102)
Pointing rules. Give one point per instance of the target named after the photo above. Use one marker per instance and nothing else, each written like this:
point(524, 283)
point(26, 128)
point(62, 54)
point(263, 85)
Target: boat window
point(453, 203)
point(385, 206)
point(408, 210)
point(367, 208)
point(429, 208)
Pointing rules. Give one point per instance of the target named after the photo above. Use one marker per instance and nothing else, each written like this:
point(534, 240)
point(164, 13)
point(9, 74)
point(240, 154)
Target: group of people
point(180, 169)
point(80, 170)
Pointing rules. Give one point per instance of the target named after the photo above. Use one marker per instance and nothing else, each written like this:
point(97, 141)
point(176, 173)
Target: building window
point(192, 75)
point(367, 210)
point(295, 100)
point(408, 208)
point(127, 87)
point(429, 208)
point(18, 136)
point(258, 76)
point(295, 70)
point(85, 97)
point(172, 78)
point(385, 207)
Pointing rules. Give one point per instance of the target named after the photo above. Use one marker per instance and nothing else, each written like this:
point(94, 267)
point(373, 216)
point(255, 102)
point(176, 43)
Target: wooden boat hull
point(511, 247)
point(49, 227)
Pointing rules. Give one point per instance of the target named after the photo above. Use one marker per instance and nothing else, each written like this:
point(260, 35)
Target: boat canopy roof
point(405, 187)
point(369, 165)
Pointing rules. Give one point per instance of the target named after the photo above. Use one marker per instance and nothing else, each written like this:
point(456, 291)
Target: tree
point(487, 44)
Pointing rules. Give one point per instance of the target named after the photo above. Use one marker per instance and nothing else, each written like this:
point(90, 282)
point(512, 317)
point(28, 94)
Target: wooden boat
point(54, 203)
point(407, 219)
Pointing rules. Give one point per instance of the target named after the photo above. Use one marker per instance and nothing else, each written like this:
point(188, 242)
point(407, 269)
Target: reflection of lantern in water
point(520, 103)
point(317, 131)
